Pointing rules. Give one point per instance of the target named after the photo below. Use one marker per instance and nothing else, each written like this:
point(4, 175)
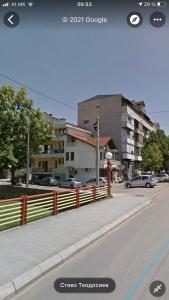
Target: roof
point(99, 97)
point(79, 128)
point(103, 141)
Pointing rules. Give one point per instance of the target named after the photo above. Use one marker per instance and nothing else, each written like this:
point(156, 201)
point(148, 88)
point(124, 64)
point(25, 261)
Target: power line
point(38, 92)
point(59, 101)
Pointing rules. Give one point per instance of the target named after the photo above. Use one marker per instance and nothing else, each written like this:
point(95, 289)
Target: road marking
point(132, 292)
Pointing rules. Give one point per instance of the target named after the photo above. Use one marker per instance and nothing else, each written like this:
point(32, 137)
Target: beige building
point(72, 152)
point(124, 120)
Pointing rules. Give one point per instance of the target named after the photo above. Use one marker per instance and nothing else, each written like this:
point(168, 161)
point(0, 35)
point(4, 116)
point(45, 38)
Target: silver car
point(70, 183)
point(141, 181)
point(163, 177)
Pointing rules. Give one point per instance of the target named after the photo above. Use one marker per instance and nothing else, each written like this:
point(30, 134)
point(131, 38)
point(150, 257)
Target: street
point(134, 255)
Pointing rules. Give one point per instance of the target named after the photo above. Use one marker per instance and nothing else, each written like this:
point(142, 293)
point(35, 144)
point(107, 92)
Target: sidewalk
point(24, 248)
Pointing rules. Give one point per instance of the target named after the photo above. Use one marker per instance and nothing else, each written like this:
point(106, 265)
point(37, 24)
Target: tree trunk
point(13, 176)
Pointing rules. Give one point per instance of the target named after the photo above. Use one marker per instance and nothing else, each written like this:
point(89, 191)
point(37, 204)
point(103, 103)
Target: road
point(134, 254)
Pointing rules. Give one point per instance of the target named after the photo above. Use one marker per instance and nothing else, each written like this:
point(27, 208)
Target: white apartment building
point(72, 153)
point(124, 120)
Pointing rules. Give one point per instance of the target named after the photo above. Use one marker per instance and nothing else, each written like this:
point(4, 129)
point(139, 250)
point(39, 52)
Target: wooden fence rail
point(20, 211)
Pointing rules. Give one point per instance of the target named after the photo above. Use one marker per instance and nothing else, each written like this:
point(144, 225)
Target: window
point(56, 164)
point(136, 178)
point(39, 165)
point(86, 121)
point(72, 139)
point(86, 169)
point(144, 177)
point(60, 161)
point(72, 156)
point(67, 155)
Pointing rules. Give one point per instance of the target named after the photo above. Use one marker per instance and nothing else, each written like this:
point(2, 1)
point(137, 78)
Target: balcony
point(50, 153)
point(139, 131)
point(139, 144)
point(59, 137)
point(126, 155)
point(127, 121)
point(127, 124)
point(127, 140)
point(114, 163)
point(42, 170)
point(138, 157)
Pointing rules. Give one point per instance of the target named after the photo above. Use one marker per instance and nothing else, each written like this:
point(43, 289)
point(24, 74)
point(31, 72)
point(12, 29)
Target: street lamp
point(109, 157)
point(27, 158)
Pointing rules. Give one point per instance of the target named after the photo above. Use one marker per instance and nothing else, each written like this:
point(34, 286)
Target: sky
point(75, 63)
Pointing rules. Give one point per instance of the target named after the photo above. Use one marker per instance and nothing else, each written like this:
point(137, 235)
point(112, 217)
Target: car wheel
point(148, 185)
point(128, 185)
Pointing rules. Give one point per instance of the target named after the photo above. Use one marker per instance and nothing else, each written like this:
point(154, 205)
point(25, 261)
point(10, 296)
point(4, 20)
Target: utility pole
point(27, 160)
point(98, 151)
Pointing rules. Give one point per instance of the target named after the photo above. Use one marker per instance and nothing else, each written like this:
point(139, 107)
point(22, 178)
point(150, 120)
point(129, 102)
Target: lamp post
point(109, 157)
point(96, 127)
point(27, 159)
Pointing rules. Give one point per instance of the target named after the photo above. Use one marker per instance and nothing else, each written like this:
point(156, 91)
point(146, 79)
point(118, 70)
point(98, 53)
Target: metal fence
point(20, 211)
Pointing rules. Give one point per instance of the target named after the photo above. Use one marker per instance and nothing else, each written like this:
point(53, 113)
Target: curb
point(10, 289)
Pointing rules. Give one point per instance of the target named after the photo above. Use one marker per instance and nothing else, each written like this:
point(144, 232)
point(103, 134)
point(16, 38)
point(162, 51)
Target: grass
point(17, 211)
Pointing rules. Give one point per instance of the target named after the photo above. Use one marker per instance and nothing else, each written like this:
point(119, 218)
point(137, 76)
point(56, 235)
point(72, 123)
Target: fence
point(20, 211)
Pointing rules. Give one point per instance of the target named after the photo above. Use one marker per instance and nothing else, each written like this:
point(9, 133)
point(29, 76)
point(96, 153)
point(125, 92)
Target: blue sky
point(75, 64)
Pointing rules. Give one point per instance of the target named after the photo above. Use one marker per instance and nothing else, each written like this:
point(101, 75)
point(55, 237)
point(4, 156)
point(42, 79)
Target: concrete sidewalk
point(46, 243)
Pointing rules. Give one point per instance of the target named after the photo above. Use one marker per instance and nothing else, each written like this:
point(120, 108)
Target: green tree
point(152, 158)
point(162, 141)
point(17, 116)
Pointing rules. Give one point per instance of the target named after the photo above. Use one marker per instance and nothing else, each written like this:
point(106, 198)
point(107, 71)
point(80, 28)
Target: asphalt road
point(134, 255)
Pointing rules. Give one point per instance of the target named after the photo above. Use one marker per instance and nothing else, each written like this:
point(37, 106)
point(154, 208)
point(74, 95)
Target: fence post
point(94, 193)
point(55, 203)
point(77, 198)
point(109, 189)
point(24, 205)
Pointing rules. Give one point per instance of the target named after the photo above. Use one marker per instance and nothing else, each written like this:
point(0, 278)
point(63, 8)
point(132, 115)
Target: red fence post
point(24, 206)
point(55, 203)
point(77, 198)
point(94, 193)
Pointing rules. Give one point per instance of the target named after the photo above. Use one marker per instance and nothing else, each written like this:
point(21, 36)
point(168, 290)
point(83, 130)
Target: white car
point(141, 181)
point(163, 177)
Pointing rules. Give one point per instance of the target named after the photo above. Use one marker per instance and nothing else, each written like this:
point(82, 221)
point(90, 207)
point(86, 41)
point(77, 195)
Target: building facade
point(124, 120)
point(72, 153)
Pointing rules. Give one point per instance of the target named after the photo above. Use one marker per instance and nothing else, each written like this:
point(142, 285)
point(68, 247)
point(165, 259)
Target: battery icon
point(162, 4)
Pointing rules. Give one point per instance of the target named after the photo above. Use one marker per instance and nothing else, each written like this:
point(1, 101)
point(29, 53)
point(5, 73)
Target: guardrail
point(20, 211)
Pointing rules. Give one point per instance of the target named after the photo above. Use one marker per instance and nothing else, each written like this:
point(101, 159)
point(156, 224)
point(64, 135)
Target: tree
point(162, 141)
point(17, 116)
point(152, 158)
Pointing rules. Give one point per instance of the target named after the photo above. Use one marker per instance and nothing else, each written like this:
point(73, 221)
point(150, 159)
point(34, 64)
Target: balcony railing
point(41, 170)
point(53, 151)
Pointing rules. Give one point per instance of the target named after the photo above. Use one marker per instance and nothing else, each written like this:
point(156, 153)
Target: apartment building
point(72, 153)
point(124, 120)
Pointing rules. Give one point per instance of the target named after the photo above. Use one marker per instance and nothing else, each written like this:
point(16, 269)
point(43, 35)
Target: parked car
point(163, 177)
point(49, 181)
point(141, 181)
point(70, 183)
point(92, 181)
point(155, 178)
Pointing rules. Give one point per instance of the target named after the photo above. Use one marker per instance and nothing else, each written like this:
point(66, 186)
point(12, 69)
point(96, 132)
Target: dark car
point(49, 181)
